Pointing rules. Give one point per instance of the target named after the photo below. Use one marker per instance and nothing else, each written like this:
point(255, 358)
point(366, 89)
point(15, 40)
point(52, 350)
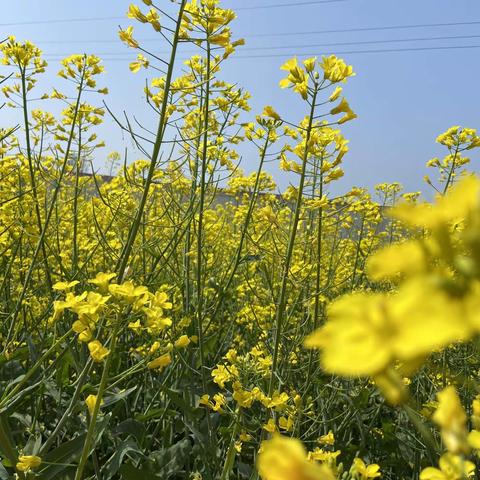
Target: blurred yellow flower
point(283, 458)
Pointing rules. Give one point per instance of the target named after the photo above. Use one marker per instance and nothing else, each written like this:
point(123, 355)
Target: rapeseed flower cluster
point(154, 320)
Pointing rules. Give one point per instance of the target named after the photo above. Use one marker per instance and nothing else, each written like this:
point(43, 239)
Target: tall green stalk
point(31, 170)
point(282, 298)
point(132, 234)
point(53, 204)
point(200, 233)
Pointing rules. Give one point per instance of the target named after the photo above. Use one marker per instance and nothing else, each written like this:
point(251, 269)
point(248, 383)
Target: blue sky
point(403, 99)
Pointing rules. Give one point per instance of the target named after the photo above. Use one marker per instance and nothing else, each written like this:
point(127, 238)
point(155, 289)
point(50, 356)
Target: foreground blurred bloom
point(452, 467)
point(27, 462)
point(435, 305)
point(283, 458)
point(366, 333)
point(452, 419)
point(461, 200)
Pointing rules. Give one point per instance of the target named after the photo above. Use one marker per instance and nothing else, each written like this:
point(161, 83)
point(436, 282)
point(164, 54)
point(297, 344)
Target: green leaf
point(130, 427)
point(67, 453)
point(7, 445)
point(19, 397)
point(3, 473)
point(154, 413)
point(116, 397)
point(32, 447)
point(128, 472)
point(100, 428)
point(172, 460)
point(32, 349)
point(115, 461)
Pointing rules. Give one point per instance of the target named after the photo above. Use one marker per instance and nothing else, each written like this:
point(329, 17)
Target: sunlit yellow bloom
point(160, 362)
point(102, 281)
point(126, 36)
point(127, 291)
point(343, 107)
point(97, 351)
point(309, 64)
point(270, 426)
point(324, 456)
point(335, 69)
point(222, 374)
point(182, 342)
point(268, 111)
point(28, 462)
point(285, 423)
point(362, 471)
point(141, 62)
point(90, 401)
point(65, 285)
point(336, 94)
point(328, 439)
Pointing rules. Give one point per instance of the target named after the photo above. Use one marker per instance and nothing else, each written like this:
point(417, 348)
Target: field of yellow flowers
point(149, 330)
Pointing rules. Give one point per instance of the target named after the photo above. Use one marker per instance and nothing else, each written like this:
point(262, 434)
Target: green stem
point(51, 209)
point(243, 234)
point(230, 458)
point(33, 182)
point(132, 234)
point(69, 410)
point(203, 171)
point(282, 299)
point(431, 444)
point(93, 421)
point(35, 367)
point(452, 170)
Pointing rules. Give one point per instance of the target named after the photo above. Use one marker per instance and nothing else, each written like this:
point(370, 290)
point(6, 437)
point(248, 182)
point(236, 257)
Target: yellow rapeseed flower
point(452, 467)
point(28, 462)
point(126, 36)
point(90, 401)
point(366, 332)
point(97, 351)
point(182, 341)
point(335, 69)
point(452, 419)
point(160, 362)
point(361, 471)
point(283, 458)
